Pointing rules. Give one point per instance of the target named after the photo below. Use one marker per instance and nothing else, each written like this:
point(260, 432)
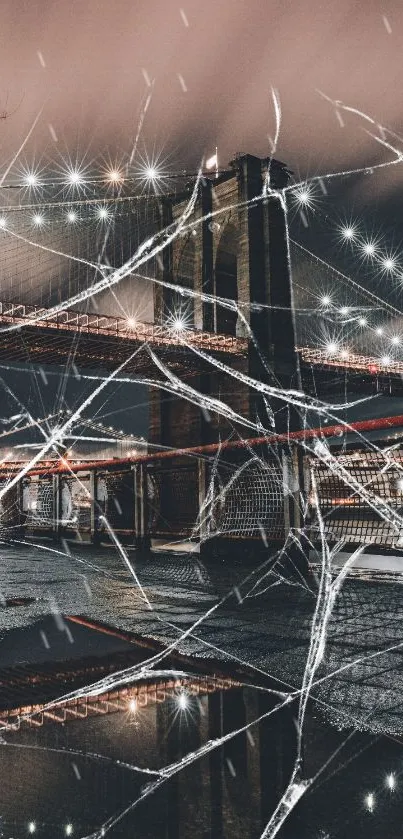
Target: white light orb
point(344, 354)
point(370, 801)
point(103, 213)
point(390, 779)
point(331, 347)
point(326, 300)
point(389, 264)
point(3, 222)
point(74, 177)
point(386, 359)
point(348, 232)
point(379, 330)
point(31, 827)
point(344, 310)
point(151, 173)
point(303, 197)
point(183, 701)
point(114, 176)
point(31, 179)
point(369, 248)
point(131, 322)
point(395, 340)
point(178, 324)
point(72, 217)
point(68, 829)
point(133, 706)
point(38, 220)
point(363, 322)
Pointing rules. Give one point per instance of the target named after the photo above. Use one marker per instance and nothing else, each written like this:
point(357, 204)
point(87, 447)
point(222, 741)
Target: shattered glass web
point(106, 275)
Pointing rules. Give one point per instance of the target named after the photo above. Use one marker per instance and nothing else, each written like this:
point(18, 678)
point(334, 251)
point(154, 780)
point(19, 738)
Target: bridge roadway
point(36, 334)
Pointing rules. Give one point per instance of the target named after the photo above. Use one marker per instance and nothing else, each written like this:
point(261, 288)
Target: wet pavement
point(246, 616)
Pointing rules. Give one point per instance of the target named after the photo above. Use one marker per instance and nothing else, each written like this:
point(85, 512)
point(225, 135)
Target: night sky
point(97, 56)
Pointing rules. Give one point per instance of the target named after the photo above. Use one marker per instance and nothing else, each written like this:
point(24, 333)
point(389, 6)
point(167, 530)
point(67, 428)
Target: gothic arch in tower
point(226, 278)
point(182, 305)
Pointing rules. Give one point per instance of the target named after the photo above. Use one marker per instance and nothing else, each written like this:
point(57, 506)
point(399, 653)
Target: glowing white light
point(395, 340)
point(304, 196)
point(386, 359)
point(348, 232)
point(368, 248)
point(390, 779)
point(38, 220)
point(178, 324)
point(379, 330)
point(344, 354)
point(326, 300)
point(132, 323)
point(331, 347)
point(31, 827)
point(3, 222)
point(133, 706)
point(75, 177)
point(72, 216)
point(31, 179)
point(68, 829)
point(183, 701)
point(370, 801)
point(103, 213)
point(344, 310)
point(113, 176)
point(363, 322)
point(151, 173)
point(389, 264)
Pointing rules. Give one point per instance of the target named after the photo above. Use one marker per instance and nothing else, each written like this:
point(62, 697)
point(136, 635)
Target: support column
point(141, 529)
point(94, 505)
point(216, 765)
point(57, 505)
point(20, 503)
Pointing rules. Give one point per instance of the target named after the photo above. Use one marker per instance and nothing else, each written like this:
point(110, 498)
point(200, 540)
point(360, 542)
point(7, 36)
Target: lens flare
point(103, 214)
point(183, 701)
point(348, 233)
point(390, 779)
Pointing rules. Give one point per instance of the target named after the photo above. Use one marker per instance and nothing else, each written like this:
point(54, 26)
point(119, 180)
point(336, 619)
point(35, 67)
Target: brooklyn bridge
point(231, 336)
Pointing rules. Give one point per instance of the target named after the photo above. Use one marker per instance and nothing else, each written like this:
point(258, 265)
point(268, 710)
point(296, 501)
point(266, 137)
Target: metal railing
point(346, 360)
point(119, 327)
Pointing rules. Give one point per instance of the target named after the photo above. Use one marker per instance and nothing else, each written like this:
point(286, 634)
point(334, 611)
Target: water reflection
point(86, 774)
point(70, 779)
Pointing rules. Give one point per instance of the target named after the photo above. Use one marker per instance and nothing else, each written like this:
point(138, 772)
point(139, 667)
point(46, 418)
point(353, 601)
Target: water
point(55, 776)
point(356, 716)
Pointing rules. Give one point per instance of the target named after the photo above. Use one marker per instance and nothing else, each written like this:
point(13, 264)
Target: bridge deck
point(49, 337)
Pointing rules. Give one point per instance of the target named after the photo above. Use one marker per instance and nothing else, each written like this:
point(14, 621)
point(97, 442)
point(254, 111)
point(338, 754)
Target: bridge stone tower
point(234, 247)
